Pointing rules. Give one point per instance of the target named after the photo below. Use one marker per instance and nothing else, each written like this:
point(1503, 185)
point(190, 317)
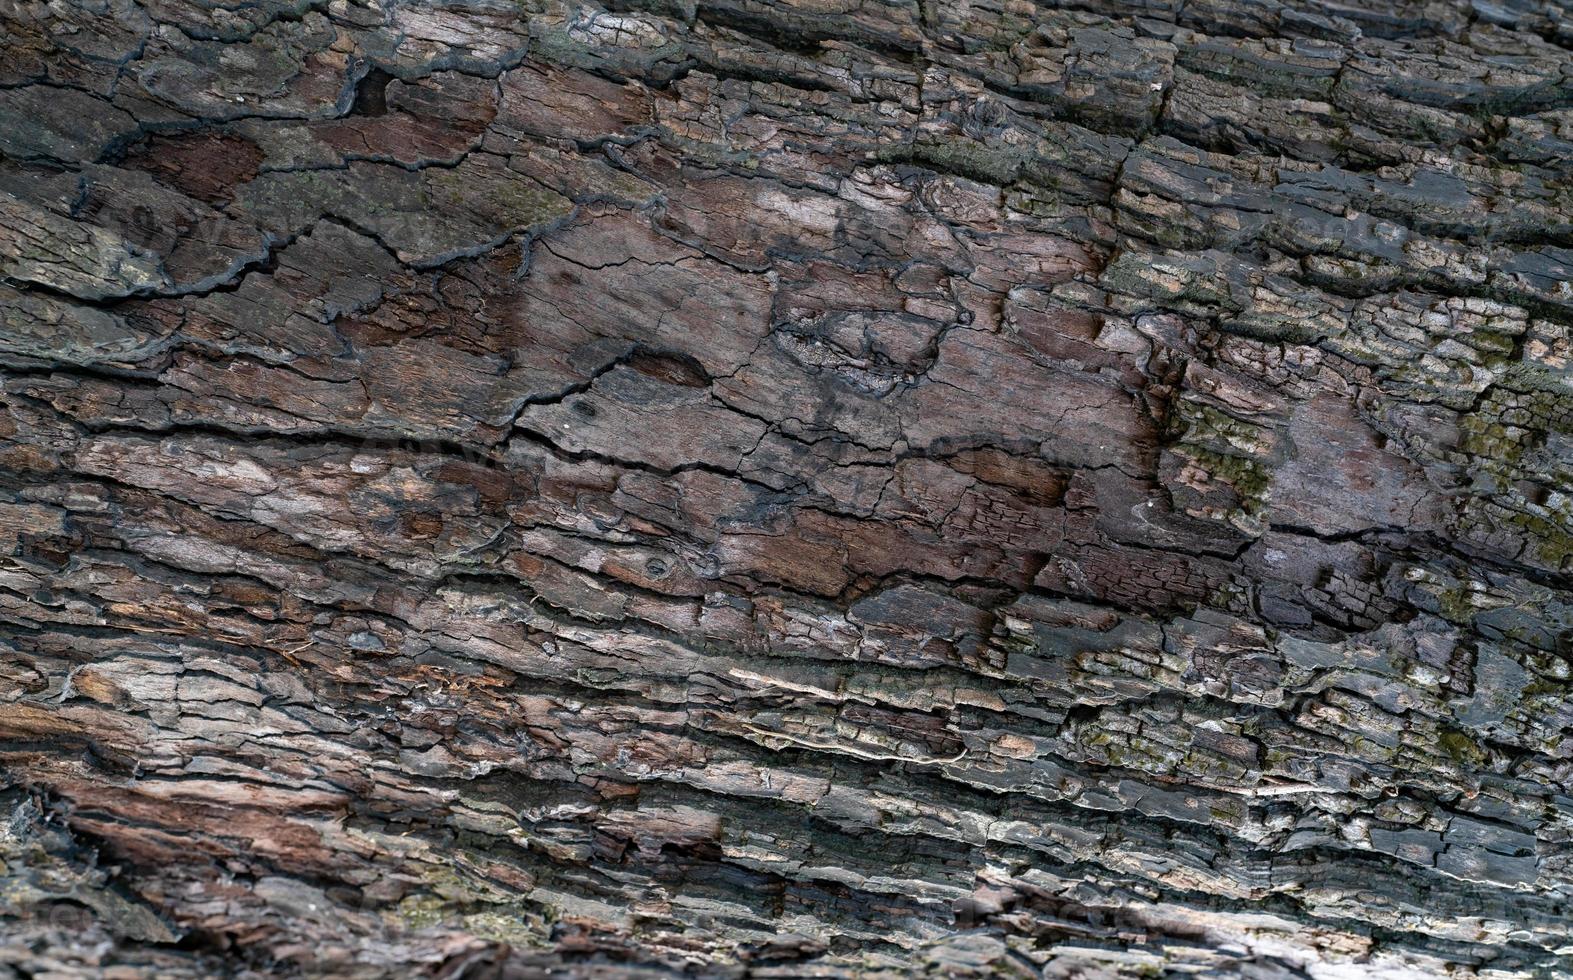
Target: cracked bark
point(780, 488)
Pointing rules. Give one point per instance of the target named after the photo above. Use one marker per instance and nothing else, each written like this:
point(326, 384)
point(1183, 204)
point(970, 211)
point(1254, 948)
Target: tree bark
point(786, 488)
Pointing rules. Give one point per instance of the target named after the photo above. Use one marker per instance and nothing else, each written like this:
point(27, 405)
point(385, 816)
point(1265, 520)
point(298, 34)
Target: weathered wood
point(786, 487)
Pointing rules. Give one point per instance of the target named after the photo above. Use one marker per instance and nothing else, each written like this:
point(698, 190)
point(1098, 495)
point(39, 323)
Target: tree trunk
point(786, 487)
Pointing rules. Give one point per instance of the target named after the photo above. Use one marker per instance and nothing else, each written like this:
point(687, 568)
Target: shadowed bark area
point(786, 488)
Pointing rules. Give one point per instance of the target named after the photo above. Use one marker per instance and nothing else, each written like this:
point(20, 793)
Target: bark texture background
point(786, 487)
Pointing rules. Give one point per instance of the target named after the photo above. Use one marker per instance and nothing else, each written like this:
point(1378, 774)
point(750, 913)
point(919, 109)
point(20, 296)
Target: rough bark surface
point(786, 487)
